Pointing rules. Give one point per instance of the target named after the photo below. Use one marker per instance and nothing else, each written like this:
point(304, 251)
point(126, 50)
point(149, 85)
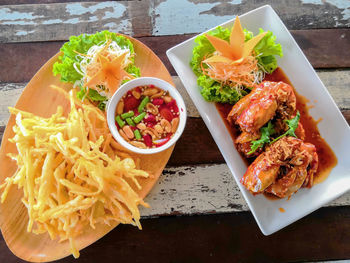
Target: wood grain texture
point(199, 16)
point(57, 21)
point(195, 189)
point(319, 48)
point(25, 2)
point(25, 23)
point(201, 189)
point(235, 237)
point(324, 48)
point(41, 100)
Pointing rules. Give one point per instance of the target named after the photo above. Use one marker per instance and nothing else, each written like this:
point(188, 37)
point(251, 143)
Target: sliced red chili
point(158, 101)
point(166, 114)
point(130, 103)
point(173, 106)
point(147, 139)
point(150, 118)
point(138, 89)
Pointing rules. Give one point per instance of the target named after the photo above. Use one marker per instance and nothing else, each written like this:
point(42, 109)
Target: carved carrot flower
point(237, 49)
point(233, 63)
point(110, 73)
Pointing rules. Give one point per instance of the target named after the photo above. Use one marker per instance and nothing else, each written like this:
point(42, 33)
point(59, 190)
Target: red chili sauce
point(326, 156)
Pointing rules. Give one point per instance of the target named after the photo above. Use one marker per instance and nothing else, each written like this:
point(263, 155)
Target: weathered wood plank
point(337, 82)
point(57, 21)
point(328, 50)
point(235, 237)
point(202, 15)
point(201, 189)
point(25, 2)
point(60, 20)
point(324, 48)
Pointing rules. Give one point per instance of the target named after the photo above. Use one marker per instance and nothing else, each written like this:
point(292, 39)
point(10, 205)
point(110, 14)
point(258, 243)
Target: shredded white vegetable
point(113, 50)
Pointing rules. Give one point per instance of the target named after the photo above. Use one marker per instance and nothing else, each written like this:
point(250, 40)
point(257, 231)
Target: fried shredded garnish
point(245, 73)
point(70, 172)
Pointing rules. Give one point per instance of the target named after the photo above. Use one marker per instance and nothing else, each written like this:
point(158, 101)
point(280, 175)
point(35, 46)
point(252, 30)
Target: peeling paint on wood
point(20, 23)
point(195, 190)
point(202, 189)
point(58, 21)
point(203, 15)
point(170, 17)
point(10, 92)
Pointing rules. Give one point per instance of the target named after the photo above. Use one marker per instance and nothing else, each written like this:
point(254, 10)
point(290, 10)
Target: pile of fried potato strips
point(70, 172)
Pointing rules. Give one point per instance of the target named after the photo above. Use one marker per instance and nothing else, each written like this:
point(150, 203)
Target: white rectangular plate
point(333, 127)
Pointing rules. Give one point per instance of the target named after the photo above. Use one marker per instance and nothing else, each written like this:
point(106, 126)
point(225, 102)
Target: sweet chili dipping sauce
point(327, 158)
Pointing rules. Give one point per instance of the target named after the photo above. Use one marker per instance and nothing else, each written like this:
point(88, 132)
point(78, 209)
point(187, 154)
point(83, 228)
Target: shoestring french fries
point(72, 173)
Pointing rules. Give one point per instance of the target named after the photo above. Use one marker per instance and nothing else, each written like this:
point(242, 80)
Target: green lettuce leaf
point(266, 50)
point(93, 96)
point(213, 91)
point(65, 64)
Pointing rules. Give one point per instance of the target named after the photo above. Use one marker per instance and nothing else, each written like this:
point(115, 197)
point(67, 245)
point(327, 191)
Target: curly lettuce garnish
point(266, 51)
point(218, 86)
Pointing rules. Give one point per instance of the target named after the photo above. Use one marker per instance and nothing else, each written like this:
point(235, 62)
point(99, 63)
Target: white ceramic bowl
point(112, 104)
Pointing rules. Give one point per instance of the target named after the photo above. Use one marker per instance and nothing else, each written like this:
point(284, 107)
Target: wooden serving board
point(41, 100)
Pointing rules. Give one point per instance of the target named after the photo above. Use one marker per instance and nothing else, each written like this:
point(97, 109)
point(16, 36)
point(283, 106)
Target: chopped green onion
point(120, 122)
point(139, 117)
point(127, 115)
point(137, 134)
point(143, 104)
point(130, 122)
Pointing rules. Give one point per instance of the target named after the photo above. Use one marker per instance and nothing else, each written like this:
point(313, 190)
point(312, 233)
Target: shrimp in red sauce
point(283, 168)
point(269, 101)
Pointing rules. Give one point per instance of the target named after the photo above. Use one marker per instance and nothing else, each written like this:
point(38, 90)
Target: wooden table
point(197, 213)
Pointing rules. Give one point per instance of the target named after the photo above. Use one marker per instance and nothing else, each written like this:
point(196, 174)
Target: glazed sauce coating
point(327, 158)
